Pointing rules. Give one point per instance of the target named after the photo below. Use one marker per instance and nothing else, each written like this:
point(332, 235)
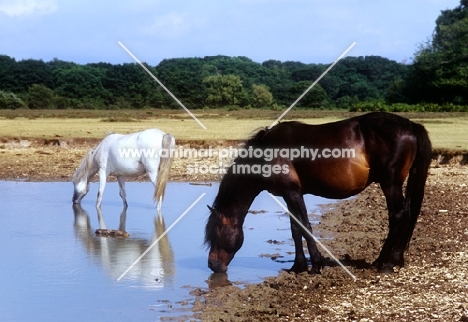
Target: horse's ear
point(211, 209)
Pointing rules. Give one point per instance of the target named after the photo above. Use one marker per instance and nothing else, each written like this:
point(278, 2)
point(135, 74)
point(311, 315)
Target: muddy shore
point(433, 286)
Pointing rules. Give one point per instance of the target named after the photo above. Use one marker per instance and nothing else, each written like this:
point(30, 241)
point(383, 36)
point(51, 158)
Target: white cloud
point(27, 7)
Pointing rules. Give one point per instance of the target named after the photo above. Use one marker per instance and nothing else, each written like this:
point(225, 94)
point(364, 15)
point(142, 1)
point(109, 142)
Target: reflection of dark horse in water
point(115, 255)
point(387, 149)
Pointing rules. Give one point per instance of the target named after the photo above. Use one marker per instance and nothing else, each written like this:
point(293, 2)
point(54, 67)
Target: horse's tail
point(417, 179)
point(165, 163)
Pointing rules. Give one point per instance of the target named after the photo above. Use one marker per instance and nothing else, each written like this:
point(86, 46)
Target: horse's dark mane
point(229, 183)
point(257, 137)
point(210, 233)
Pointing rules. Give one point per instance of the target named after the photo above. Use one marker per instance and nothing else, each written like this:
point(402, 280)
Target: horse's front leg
point(123, 194)
point(123, 219)
point(300, 226)
point(300, 261)
point(102, 185)
point(102, 223)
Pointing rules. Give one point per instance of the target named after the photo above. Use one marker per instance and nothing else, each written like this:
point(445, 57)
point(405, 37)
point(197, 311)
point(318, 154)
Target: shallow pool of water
point(54, 267)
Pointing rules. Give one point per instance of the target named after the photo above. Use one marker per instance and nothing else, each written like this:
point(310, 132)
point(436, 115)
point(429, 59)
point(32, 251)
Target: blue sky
point(309, 31)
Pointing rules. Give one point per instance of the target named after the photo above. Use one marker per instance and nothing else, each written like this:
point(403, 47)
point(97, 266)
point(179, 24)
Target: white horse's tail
point(165, 163)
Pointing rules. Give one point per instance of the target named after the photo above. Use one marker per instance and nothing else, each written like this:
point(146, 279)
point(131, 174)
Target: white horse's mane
point(84, 167)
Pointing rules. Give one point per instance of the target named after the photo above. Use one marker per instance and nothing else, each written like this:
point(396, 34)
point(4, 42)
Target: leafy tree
point(315, 98)
point(18, 76)
point(440, 70)
point(184, 78)
point(63, 103)
point(261, 96)
point(81, 82)
point(7, 73)
point(128, 85)
point(40, 97)
point(395, 91)
point(32, 71)
point(9, 100)
point(346, 102)
point(222, 89)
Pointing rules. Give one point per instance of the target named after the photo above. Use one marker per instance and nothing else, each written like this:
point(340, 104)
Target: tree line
point(436, 80)
point(213, 82)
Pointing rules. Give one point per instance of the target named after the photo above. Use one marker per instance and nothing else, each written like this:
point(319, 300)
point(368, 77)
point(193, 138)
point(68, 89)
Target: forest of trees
point(436, 80)
point(216, 81)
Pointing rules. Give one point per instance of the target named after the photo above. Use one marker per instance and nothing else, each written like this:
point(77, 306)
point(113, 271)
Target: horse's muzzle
point(77, 198)
point(217, 267)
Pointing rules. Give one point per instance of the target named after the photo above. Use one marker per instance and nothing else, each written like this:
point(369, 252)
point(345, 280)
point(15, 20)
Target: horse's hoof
point(386, 269)
point(315, 270)
point(377, 264)
point(111, 233)
point(298, 269)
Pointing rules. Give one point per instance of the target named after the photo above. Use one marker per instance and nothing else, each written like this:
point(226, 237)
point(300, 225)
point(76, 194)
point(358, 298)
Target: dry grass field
point(48, 145)
point(448, 131)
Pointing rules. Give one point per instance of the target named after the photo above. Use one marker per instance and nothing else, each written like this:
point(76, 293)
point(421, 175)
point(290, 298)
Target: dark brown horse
point(336, 160)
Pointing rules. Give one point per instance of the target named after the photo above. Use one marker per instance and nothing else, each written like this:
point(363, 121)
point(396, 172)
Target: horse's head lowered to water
point(224, 236)
point(81, 178)
point(224, 233)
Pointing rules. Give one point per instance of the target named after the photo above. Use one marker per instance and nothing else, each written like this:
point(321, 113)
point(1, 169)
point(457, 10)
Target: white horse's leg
point(102, 224)
point(123, 194)
point(102, 185)
point(123, 219)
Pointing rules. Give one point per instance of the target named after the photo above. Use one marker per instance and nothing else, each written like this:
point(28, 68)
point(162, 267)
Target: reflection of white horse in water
point(127, 155)
point(115, 255)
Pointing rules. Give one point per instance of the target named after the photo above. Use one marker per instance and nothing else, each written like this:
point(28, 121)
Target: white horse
point(127, 155)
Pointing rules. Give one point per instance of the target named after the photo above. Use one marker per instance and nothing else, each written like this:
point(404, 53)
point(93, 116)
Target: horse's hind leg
point(123, 194)
point(392, 250)
point(298, 209)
